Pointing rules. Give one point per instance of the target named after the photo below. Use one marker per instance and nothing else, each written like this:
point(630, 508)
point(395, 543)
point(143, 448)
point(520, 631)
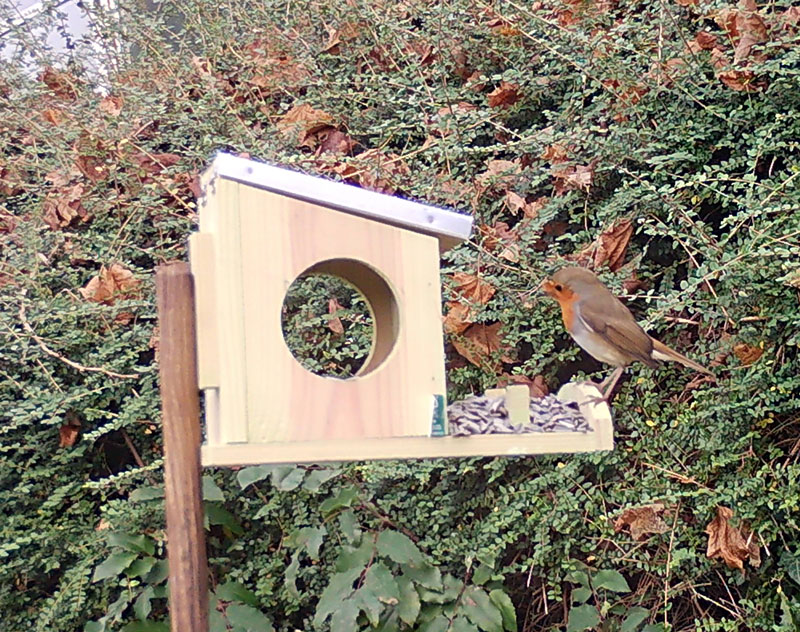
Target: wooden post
point(180, 406)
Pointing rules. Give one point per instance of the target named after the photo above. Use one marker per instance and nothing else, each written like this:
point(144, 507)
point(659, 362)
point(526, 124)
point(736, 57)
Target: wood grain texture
point(188, 566)
point(280, 239)
point(316, 451)
point(225, 221)
point(201, 256)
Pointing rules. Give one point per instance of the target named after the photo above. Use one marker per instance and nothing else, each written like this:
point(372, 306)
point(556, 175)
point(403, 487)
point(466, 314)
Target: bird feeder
point(263, 227)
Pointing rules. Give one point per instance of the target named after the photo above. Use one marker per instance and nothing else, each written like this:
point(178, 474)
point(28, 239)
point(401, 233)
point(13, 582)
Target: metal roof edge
point(344, 197)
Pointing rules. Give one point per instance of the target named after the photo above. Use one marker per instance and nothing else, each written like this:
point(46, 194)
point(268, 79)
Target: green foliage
point(602, 113)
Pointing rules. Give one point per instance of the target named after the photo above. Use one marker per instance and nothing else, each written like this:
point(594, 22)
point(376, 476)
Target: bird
point(604, 327)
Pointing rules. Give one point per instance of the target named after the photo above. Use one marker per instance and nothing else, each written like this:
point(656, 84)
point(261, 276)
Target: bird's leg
point(607, 385)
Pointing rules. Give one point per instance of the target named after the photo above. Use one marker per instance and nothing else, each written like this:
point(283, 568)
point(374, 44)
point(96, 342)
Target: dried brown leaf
point(747, 354)
point(504, 96)
point(64, 206)
point(333, 141)
point(703, 41)
point(572, 178)
point(12, 181)
point(612, 245)
point(68, 432)
point(300, 125)
point(336, 36)
point(517, 203)
point(473, 291)
point(154, 164)
point(458, 317)
point(481, 344)
point(111, 105)
point(555, 153)
point(733, 545)
point(62, 84)
point(537, 385)
point(642, 521)
point(499, 237)
point(335, 323)
point(53, 116)
point(112, 283)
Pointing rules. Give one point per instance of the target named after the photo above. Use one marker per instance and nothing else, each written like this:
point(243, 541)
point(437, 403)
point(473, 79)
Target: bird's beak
point(548, 287)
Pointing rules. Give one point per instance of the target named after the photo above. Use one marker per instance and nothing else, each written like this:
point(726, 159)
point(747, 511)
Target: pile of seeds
point(488, 415)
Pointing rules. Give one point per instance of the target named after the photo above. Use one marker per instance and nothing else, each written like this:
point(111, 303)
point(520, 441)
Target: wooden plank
point(188, 566)
point(282, 238)
point(518, 401)
point(229, 285)
point(597, 414)
point(201, 256)
point(403, 448)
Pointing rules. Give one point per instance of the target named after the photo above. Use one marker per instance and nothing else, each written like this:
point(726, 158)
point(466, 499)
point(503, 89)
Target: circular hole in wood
point(340, 319)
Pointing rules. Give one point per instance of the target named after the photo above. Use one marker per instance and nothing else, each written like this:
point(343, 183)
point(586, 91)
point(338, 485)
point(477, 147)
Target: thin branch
point(87, 369)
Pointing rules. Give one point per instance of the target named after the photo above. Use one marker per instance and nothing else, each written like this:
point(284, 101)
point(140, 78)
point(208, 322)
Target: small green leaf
point(463, 624)
point(158, 573)
point(345, 498)
point(216, 621)
point(218, 515)
point(654, 627)
point(113, 566)
point(310, 539)
point(487, 559)
point(790, 562)
point(134, 543)
point(437, 624)
point(236, 591)
point(150, 492)
point(424, 574)
point(146, 626)
point(578, 577)
point(635, 616)
point(380, 582)
point(581, 595)
point(370, 604)
point(316, 478)
point(211, 490)
point(248, 618)
point(142, 606)
point(345, 617)
point(352, 557)
point(349, 525)
point(480, 610)
point(250, 475)
point(398, 547)
point(610, 580)
point(582, 618)
point(141, 567)
point(503, 603)
point(482, 575)
point(409, 604)
point(339, 588)
point(290, 576)
point(286, 478)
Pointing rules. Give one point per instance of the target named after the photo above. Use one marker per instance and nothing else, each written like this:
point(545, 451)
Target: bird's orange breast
point(566, 299)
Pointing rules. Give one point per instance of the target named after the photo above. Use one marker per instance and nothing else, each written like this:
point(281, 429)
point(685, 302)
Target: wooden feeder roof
point(449, 227)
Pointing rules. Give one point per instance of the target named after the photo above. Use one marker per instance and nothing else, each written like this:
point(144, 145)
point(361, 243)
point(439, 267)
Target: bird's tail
point(663, 352)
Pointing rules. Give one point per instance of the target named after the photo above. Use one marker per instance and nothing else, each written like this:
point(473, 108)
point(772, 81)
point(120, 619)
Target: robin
point(600, 324)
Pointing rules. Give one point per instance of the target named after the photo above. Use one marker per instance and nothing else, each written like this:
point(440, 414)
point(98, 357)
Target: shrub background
point(659, 139)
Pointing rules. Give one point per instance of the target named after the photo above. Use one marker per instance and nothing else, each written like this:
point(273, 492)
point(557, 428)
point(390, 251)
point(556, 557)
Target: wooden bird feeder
point(263, 227)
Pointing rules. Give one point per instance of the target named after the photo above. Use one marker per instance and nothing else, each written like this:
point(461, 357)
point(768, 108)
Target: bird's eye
point(559, 287)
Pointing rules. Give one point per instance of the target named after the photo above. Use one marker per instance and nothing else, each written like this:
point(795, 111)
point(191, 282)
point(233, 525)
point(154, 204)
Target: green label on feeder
point(438, 420)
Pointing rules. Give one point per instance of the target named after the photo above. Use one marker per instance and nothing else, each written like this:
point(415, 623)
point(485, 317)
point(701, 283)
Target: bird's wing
point(607, 316)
